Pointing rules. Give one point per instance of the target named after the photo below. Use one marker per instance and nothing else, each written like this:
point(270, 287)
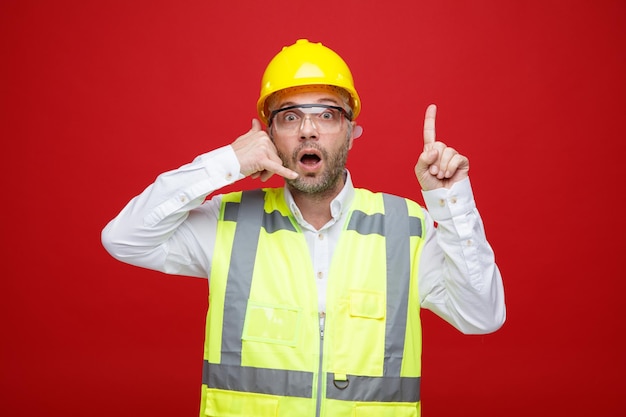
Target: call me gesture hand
point(257, 155)
point(438, 166)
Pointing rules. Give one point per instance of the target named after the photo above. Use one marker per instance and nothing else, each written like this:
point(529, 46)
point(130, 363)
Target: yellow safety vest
point(266, 353)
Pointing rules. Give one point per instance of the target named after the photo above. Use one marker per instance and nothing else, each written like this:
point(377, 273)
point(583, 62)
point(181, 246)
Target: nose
point(308, 130)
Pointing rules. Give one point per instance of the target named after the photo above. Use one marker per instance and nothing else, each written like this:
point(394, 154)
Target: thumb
point(256, 125)
point(427, 158)
point(426, 168)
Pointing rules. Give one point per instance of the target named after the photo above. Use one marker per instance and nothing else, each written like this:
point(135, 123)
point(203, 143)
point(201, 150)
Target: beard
point(330, 177)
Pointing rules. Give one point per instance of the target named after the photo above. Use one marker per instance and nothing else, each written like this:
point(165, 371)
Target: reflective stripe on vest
point(231, 375)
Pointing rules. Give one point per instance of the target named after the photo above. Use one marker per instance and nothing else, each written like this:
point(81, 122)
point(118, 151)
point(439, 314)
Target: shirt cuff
point(444, 204)
point(222, 166)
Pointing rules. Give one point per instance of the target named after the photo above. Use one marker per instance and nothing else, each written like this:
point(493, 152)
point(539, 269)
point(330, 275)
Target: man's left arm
point(458, 276)
point(459, 279)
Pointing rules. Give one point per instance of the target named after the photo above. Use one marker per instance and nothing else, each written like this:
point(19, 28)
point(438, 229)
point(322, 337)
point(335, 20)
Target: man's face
point(310, 146)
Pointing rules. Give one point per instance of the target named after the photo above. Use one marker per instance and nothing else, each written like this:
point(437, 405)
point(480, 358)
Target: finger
point(256, 126)
point(427, 159)
point(445, 166)
point(426, 169)
point(435, 153)
point(264, 175)
point(429, 125)
point(457, 163)
point(278, 168)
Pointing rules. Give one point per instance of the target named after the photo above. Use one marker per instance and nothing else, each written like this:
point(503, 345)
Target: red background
point(99, 97)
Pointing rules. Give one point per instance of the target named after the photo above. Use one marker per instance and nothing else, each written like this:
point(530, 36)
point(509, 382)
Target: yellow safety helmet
point(306, 64)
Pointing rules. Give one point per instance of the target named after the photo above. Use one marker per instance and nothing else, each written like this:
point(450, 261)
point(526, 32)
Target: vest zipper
point(318, 408)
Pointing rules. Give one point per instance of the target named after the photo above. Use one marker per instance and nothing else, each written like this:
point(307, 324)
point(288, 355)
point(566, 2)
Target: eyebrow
point(320, 101)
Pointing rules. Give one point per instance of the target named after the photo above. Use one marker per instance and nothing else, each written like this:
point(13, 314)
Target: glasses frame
point(341, 110)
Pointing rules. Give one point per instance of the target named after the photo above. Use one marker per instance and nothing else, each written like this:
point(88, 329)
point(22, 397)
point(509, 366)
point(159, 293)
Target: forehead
point(309, 96)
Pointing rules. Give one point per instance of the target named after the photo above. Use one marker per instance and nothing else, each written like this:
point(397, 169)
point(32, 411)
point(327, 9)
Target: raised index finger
point(429, 124)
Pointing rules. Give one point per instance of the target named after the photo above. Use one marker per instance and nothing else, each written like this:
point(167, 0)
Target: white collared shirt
point(171, 226)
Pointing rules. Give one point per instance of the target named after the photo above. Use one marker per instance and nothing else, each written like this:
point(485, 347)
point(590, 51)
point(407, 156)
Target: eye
point(290, 117)
point(327, 115)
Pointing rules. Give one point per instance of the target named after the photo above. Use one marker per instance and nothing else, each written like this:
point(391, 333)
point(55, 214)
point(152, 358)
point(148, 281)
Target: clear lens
point(326, 119)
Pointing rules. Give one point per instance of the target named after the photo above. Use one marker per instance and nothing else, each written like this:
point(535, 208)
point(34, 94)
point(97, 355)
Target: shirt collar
point(338, 207)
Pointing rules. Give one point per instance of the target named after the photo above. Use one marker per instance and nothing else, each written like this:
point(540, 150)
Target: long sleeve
point(169, 227)
point(459, 279)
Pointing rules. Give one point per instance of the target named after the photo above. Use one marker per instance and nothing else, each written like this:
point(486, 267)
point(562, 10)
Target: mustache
point(309, 145)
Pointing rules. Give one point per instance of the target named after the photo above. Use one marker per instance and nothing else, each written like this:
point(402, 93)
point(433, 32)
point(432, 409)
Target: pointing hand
point(438, 166)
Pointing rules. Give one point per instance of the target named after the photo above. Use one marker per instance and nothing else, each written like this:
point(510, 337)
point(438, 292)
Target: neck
point(315, 207)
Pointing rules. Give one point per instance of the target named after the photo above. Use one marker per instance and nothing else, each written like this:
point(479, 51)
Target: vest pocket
point(239, 404)
point(367, 304)
point(271, 324)
point(359, 321)
point(386, 410)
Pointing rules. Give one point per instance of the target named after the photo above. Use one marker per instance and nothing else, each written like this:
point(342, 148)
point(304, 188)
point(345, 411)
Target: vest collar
point(338, 207)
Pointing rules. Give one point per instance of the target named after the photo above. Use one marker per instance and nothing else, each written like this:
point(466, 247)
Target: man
point(315, 287)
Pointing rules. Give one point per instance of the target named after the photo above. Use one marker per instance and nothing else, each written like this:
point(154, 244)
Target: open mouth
point(310, 159)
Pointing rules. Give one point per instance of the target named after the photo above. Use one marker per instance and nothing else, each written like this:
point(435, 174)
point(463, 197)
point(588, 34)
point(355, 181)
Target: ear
point(357, 131)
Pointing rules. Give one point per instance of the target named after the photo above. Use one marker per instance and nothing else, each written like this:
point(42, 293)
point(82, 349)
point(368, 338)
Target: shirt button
point(442, 202)
point(320, 275)
point(453, 200)
point(182, 198)
point(229, 176)
point(320, 236)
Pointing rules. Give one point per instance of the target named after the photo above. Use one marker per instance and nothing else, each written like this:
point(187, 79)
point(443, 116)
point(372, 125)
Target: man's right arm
point(167, 227)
